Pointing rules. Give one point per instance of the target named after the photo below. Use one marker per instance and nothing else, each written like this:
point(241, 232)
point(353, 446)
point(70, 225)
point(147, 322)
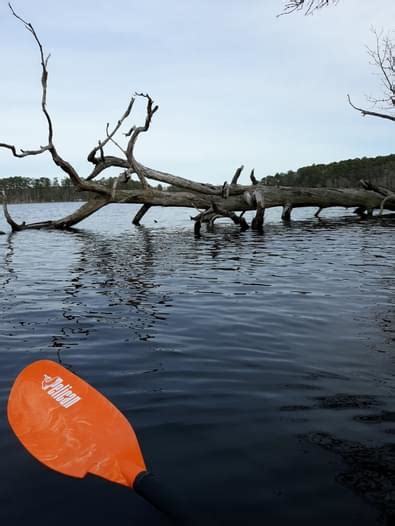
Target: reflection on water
point(253, 366)
point(370, 471)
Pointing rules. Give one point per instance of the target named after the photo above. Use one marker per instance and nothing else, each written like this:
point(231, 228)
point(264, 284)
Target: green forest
point(44, 190)
point(342, 174)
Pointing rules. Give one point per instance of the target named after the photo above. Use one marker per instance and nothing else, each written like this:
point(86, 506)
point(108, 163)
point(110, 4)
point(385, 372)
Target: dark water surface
point(257, 370)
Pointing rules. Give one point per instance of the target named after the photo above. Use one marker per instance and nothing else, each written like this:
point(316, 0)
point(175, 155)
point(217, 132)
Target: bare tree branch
point(382, 58)
point(44, 81)
point(135, 131)
point(237, 174)
point(44, 74)
point(108, 162)
point(50, 147)
point(101, 144)
point(23, 153)
point(14, 226)
point(308, 6)
point(365, 112)
point(111, 138)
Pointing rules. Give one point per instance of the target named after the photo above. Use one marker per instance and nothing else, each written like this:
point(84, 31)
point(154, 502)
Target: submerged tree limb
point(140, 214)
point(14, 226)
point(83, 212)
point(286, 197)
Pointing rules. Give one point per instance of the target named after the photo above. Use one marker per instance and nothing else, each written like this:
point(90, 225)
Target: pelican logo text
point(59, 391)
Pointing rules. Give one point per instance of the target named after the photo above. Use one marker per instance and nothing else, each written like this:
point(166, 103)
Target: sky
point(235, 83)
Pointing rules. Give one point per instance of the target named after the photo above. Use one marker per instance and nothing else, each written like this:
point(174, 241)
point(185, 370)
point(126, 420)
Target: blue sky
point(235, 84)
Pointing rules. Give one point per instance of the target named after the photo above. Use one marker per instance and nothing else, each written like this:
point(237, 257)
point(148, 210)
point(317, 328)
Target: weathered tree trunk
point(214, 207)
point(285, 196)
point(238, 199)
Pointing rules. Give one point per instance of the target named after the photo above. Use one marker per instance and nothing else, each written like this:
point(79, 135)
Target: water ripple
point(223, 351)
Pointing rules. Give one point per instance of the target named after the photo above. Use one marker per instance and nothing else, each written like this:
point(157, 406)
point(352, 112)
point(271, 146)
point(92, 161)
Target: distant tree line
point(342, 174)
point(44, 190)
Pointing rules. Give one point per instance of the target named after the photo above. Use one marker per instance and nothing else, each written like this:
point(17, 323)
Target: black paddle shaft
point(152, 491)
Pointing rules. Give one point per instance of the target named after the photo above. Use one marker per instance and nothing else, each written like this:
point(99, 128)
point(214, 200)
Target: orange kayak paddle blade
point(70, 427)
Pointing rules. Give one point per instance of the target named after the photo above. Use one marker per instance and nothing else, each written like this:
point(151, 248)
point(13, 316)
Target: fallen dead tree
point(229, 200)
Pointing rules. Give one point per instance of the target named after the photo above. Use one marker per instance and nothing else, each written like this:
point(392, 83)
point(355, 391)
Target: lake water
point(257, 369)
